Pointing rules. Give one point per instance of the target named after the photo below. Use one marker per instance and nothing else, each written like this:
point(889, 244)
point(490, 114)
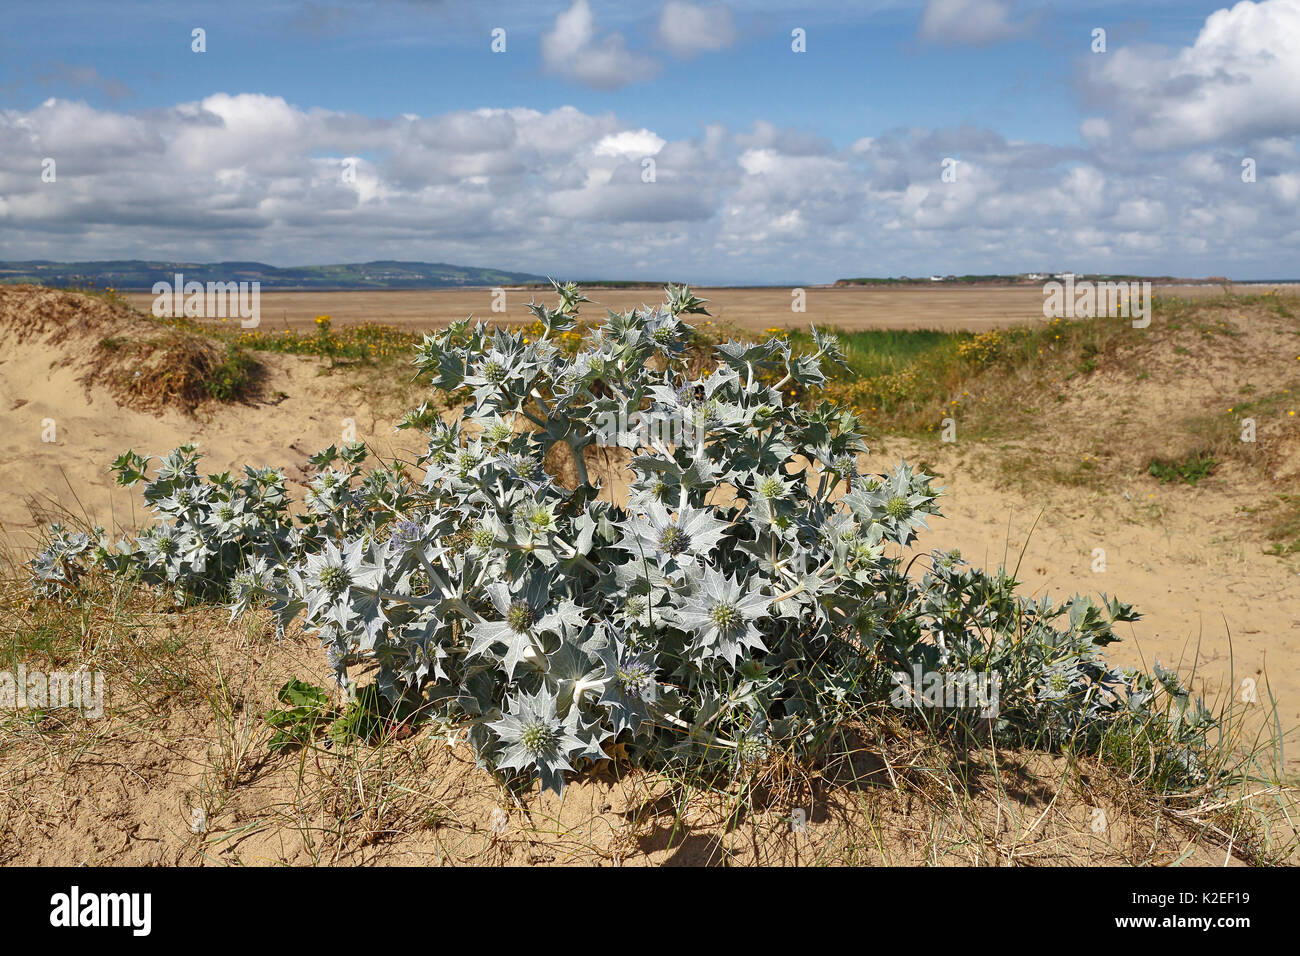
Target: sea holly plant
point(730, 583)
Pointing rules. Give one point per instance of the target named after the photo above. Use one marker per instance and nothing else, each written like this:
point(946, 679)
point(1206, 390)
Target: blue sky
point(771, 165)
point(867, 71)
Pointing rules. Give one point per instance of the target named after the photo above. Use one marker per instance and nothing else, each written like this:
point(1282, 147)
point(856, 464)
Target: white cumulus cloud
point(1240, 78)
point(572, 48)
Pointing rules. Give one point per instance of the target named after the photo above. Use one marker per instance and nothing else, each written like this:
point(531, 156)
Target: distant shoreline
point(897, 285)
point(658, 287)
point(381, 276)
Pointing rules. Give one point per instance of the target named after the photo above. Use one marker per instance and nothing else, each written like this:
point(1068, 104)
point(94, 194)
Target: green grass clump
point(906, 381)
point(232, 377)
point(1189, 469)
point(875, 352)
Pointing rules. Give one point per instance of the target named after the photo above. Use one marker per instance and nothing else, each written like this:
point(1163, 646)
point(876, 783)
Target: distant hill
point(139, 275)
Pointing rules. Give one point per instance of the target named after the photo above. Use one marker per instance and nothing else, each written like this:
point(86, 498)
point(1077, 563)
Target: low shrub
point(749, 594)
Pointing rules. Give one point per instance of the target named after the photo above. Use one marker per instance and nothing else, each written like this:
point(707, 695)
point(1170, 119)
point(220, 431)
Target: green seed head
point(334, 579)
point(898, 508)
point(497, 432)
point(1059, 682)
point(706, 412)
point(663, 335)
point(771, 487)
point(634, 607)
point(494, 371)
point(482, 537)
point(726, 616)
point(751, 750)
point(537, 738)
point(519, 616)
point(225, 513)
point(528, 468)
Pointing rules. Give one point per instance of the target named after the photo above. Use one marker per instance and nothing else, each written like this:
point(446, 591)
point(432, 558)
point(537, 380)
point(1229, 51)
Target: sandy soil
point(1209, 596)
point(969, 308)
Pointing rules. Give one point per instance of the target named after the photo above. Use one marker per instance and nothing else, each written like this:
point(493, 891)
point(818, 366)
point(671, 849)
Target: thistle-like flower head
point(631, 685)
point(662, 537)
point(534, 737)
point(721, 614)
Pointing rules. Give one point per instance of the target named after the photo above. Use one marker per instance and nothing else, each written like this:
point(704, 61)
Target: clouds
point(1151, 182)
point(573, 48)
point(976, 22)
point(1240, 79)
point(251, 176)
point(687, 29)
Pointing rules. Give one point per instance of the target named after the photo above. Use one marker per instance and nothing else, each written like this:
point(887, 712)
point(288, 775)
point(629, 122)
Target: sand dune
point(49, 390)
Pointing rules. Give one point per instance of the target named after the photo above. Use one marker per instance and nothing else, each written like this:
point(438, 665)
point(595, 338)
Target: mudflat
point(941, 306)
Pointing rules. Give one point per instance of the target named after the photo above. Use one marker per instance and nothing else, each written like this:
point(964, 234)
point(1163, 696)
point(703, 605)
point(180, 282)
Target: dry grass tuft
point(172, 369)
